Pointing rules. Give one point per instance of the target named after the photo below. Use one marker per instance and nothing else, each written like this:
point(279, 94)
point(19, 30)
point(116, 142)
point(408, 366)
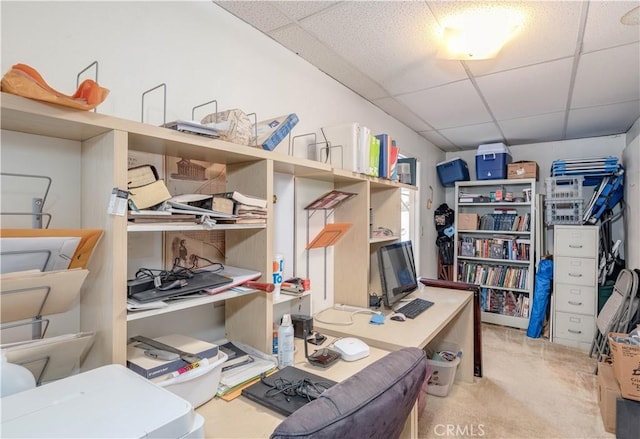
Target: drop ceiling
point(572, 70)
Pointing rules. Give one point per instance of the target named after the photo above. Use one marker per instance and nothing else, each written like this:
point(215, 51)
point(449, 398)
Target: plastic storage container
point(563, 212)
point(563, 188)
point(198, 385)
point(452, 170)
point(491, 161)
point(443, 373)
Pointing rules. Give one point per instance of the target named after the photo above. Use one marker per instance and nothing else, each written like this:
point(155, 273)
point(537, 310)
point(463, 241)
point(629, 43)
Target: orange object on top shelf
point(25, 81)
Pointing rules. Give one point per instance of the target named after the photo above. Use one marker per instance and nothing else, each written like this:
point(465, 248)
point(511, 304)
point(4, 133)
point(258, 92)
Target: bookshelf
point(97, 150)
point(495, 246)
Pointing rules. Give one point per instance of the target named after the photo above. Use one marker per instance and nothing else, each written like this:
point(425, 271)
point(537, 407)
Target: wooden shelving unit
point(104, 143)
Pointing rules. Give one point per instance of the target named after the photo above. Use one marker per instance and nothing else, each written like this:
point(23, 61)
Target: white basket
point(563, 188)
point(198, 385)
point(443, 373)
point(565, 212)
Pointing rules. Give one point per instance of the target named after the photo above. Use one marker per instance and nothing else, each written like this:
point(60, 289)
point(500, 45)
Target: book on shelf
point(223, 204)
point(248, 200)
point(374, 156)
point(364, 142)
point(196, 204)
point(242, 221)
point(145, 217)
point(383, 162)
point(394, 152)
point(271, 131)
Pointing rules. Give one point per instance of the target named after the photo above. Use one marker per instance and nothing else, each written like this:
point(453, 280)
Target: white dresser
point(575, 285)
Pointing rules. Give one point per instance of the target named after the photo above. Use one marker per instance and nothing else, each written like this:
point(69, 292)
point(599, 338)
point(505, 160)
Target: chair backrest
point(621, 305)
point(373, 403)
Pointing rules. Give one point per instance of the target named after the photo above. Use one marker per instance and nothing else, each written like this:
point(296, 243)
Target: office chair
point(373, 403)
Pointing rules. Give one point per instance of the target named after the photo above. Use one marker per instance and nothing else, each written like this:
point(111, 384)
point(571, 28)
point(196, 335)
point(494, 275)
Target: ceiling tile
point(448, 106)
point(534, 129)
point(399, 111)
point(608, 76)
point(317, 54)
point(602, 121)
point(439, 141)
point(298, 10)
point(604, 29)
point(391, 41)
point(261, 15)
point(539, 89)
point(549, 31)
point(469, 137)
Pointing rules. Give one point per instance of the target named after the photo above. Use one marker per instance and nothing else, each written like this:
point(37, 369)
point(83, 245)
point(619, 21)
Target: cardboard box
point(467, 221)
point(522, 170)
point(626, 366)
point(608, 392)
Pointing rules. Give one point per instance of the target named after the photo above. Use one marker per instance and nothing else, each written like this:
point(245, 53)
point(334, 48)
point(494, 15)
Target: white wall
point(631, 161)
point(201, 52)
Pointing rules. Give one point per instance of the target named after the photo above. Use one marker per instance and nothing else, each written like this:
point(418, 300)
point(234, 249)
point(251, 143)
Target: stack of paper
point(234, 378)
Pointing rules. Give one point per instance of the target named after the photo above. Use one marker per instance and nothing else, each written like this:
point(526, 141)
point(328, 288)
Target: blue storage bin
point(452, 170)
point(491, 161)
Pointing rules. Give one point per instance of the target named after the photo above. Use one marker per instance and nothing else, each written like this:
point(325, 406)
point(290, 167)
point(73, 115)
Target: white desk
point(450, 318)
point(243, 418)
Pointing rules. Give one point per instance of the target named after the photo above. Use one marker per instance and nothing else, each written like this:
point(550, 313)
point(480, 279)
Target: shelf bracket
point(193, 110)
point(164, 104)
point(95, 63)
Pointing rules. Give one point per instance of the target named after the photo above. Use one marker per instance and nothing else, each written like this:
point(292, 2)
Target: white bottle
point(285, 342)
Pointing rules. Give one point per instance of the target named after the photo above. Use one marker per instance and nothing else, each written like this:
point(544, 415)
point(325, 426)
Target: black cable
point(304, 388)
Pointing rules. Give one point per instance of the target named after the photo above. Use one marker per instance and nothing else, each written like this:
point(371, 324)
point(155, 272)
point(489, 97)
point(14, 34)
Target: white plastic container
point(198, 385)
point(443, 373)
point(285, 342)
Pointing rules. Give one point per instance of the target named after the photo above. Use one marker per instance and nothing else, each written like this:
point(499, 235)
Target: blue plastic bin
point(452, 170)
point(491, 161)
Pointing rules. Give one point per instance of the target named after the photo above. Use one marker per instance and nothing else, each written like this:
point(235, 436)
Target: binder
point(364, 141)
point(385, 148)
point(374, 156)
point(394, 151)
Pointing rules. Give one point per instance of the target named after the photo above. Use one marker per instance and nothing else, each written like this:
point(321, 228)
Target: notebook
point(279, 402)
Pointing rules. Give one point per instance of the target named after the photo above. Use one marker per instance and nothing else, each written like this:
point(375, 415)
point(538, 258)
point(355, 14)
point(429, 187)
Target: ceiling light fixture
point(478, 33)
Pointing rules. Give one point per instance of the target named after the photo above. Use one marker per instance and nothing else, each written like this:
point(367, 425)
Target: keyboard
point(200, 281)
point(413, 309)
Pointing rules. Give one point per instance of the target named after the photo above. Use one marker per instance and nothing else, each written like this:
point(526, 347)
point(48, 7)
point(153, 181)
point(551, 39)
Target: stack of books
point(247, 209)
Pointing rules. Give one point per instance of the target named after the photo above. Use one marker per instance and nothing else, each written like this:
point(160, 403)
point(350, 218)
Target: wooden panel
point(249, 318)
point(350, 268)
point(103, 299)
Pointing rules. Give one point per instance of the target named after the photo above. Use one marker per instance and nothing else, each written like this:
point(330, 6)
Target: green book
point(374, 156)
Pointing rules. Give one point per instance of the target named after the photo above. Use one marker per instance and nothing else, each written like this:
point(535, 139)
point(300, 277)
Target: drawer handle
point(575, 303)
point(573, 331)
point(575, 246)
point(575, 274)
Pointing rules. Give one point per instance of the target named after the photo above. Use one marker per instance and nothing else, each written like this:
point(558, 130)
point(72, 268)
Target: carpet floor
point(531, 388)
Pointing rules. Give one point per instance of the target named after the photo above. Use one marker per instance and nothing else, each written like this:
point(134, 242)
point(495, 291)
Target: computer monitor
point(397, 272)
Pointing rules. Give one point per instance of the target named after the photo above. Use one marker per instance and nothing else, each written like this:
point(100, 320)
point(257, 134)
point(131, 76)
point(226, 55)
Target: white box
point(198, 385)
point(110, 401)
point(344, 151)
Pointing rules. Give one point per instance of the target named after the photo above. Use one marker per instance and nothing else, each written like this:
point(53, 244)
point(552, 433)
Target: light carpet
point(530, 388)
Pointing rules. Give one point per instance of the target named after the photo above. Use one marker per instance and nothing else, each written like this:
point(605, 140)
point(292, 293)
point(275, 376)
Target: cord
point(350, 322)
point(304, 388)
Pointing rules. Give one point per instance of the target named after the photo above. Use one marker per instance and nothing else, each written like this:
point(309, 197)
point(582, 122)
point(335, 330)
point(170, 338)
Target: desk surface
point(243, 418)
point(393, 335)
